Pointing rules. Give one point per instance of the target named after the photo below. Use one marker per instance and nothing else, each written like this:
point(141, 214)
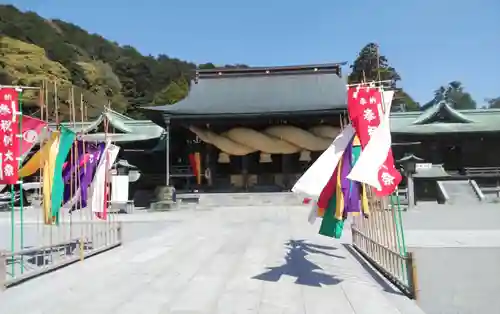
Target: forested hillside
point(33, 49)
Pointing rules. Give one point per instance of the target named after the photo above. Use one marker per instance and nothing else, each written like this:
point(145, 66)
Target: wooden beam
point(272, 70)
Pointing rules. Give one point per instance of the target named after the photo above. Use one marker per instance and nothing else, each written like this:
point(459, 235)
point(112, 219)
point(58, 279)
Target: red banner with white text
point(9, 136)
point(366, 110)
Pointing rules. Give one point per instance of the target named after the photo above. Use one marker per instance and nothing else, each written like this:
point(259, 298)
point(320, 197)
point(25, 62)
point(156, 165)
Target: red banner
point(389, 177)
point(32, 128)
point(9, 131)
point(363, 106)
point(366, 109)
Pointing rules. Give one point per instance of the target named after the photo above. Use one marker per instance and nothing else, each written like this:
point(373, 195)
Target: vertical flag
point(314, 180)
point(86, 175)
point(48, 178)
point(39, 158)
point(346, 194)
point(31, 129)
point(90, 171)
point(369, 110)
point(197, 159)
point(78, 177)
point(331, 226)
point(98, 201)
point(195, 163)
point(66, 140)
point(9, 131)
point(319, 181)
point(354, 199)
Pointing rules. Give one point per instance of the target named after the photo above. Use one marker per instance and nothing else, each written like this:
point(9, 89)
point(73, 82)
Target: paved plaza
point(456, 251)
point(262, 259)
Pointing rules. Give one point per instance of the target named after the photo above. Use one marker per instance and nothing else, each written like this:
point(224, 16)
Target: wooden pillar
point(167, 152)
point(285, 169)
point(436, 152)
point(199, 150)
point(459, 142)
point(411, 190)
point(210, 164)
point(244, 171)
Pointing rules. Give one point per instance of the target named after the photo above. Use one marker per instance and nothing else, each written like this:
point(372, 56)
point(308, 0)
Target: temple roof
point(129, 130)
point(302, 91)
point(442, 118)
point(257, 91)
point(439, 119)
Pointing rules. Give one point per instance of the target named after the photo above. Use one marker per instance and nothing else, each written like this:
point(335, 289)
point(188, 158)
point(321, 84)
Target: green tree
point(119, 74)
point(404, 102)
point(493, 103)
point(454, 94)
point(371, 66)
point(206, 66)
point(101, 69)
point(174, 92)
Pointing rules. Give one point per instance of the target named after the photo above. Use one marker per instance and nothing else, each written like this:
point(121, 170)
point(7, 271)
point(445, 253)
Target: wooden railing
point(491, 190)
point(380, 239)
point(483, 171)
point(181, 172)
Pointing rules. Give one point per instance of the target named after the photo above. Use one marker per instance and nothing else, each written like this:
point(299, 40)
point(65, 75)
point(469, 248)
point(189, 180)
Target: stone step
point(249, 199)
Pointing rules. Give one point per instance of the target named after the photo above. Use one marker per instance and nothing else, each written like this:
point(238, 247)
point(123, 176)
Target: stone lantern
point(409, 163)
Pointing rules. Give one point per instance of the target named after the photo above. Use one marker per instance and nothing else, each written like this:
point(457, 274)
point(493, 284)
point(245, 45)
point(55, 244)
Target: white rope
point(281, 139)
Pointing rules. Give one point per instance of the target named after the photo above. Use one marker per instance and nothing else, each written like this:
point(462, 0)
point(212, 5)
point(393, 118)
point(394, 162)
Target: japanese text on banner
point(9, 141)
point(365, 110)
point(365, 106)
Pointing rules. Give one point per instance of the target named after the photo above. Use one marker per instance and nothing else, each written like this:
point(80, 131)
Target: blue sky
point(429, 42)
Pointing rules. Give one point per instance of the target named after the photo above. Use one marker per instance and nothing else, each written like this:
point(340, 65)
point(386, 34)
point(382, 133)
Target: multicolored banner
point(339, 179)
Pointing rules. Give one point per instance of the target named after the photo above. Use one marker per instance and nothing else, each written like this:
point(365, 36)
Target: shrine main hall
point(258, 129)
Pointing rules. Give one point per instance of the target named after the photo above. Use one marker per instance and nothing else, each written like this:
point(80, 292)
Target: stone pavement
point(456, 250)
point(265, 259)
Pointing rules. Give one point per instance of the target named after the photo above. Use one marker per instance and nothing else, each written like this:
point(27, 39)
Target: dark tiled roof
point(259, 93)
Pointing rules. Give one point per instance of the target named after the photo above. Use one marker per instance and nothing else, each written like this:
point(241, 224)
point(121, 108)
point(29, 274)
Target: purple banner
point(81, 174)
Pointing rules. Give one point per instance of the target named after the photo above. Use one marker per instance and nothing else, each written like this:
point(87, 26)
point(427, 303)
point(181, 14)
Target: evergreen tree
point(371, 66)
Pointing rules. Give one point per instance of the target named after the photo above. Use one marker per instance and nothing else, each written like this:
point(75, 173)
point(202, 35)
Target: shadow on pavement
point(297, 265)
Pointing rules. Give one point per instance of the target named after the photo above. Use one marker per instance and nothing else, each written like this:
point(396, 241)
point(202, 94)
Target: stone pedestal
point(166, 199)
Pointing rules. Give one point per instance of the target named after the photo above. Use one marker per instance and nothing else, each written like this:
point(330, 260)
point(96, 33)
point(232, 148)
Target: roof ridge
point(272, 70)
point(436, 108)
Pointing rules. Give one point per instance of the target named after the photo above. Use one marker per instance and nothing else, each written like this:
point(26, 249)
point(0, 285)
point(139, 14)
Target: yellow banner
point(38, 159)
point(48, 162)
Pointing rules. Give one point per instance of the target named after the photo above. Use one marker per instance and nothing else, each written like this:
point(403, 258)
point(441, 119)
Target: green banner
point(66, 141)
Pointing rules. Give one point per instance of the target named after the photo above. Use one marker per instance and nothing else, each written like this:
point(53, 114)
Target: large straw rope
point(280, 139)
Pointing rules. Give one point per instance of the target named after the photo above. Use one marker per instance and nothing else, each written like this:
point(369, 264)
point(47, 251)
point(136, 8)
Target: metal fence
point(58, 246)
point(380, 239)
